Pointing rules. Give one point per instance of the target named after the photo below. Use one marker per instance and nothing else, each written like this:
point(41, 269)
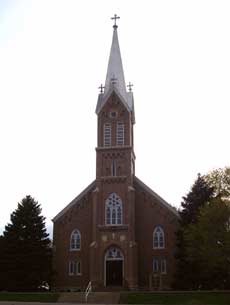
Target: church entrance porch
point(114, 266)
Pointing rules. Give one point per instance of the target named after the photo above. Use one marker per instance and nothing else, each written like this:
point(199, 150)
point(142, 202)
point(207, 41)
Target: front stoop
point(93, 297)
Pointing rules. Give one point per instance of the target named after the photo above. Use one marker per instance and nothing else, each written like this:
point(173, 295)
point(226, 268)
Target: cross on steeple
point(115, 20)
point(101, 88)
point(130, 87)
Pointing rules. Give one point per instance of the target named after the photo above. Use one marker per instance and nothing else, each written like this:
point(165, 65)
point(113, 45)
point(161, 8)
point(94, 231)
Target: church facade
point(117, 232)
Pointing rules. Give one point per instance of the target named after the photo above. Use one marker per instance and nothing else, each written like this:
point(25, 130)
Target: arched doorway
point(114, 265)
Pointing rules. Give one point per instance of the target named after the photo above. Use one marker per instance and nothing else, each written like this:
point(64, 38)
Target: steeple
point(115, 74)
point(115, 79)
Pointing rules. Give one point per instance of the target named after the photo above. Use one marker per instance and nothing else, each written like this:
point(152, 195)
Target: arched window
point(75, 240)
point(158, 238)
point(113, 253)
point(113, 210)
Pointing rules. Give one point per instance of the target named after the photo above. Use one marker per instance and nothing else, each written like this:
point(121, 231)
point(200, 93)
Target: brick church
point(117, 231)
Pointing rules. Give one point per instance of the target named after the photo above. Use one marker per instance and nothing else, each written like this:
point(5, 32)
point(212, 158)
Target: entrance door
point(114, 273)
point(114, 261)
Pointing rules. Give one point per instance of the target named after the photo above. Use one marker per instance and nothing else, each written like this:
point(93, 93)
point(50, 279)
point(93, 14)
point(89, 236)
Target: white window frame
point(120, 139)
point(159, 265)
point(75, 268)
point(107, 134)
point(155, 265)
point(158, 238)
point(163, 263)
point(113, 210)
point(75, 240)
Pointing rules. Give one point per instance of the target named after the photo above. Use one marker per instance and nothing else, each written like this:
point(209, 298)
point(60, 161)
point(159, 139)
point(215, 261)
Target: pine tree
point(200, 193)
point(25, 261)
point(187, 272)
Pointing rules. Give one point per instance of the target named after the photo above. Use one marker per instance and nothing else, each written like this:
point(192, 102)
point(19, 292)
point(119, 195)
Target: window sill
point(74, 250)
point(113, 227)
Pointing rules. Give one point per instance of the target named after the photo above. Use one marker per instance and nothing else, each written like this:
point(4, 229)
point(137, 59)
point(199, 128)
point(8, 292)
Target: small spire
point(115, 20)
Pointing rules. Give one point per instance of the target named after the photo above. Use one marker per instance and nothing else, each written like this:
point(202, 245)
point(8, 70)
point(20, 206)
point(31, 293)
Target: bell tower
point(115, 110)
point(114, 196)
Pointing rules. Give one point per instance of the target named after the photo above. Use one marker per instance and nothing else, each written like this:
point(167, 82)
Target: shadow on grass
point(45, 297)
point(174, 298)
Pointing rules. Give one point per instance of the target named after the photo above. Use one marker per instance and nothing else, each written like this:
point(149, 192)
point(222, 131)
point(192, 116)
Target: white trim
point(109, 204)
point(120, 134)
point(74, 265)
point(78, 233)
point(159, 234)
point(107, 135)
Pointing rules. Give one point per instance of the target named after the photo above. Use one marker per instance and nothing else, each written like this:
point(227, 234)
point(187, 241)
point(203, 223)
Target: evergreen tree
point(201, 192)
point(187, 272)
point(25, 260)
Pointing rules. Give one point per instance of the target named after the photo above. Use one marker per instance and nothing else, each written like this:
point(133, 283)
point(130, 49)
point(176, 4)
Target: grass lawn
point(29, 297)
point(174, 298)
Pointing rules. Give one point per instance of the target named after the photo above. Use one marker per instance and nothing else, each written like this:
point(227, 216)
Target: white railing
point(87, 291)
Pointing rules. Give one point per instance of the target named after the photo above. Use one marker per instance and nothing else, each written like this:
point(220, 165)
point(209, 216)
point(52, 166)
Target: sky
point(54, 56)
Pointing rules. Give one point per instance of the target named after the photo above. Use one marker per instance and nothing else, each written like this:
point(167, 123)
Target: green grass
point(174, 298)
point(29, 297)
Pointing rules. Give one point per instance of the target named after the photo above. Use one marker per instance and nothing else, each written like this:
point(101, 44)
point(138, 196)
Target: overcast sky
point(54, 56)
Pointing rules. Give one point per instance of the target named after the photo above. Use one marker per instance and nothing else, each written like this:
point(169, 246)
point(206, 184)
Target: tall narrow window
point(113, 210)
point(75, 240)
point(155, 265)
point(158, 238)
point(120, 134)
point(114, 168)
point(107, 134)
point(74, 268)
point(159, 265)
point(163, 266)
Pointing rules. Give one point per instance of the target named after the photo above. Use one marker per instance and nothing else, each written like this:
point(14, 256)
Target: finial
point(130, 87)
point(115, 20)
point(101, 88)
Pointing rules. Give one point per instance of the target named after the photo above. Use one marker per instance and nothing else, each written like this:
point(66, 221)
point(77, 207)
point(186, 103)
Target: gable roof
point(157, 197)
point(75, 200)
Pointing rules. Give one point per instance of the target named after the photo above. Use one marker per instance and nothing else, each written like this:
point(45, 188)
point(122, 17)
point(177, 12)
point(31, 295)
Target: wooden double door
point(114, 273)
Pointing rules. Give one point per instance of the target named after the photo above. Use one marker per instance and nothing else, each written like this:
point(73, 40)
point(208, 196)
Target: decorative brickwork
point(117, 214)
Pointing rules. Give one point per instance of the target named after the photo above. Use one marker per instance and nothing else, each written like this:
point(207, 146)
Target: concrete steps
point(93, 297)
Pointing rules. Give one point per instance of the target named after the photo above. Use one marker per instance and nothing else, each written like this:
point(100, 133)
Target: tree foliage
point(203, 257)
point(25, 258)
point(219, 179)
point(199, 194)
point(208, 245)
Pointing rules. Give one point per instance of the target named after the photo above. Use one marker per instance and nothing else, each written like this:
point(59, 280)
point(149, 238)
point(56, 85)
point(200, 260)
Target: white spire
point(115, 74)
point(115, 80)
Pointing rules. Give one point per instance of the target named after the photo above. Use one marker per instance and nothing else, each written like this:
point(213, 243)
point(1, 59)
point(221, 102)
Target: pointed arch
point(75, 240)
point(113, 210)
point(114, 253)
point(158, 238)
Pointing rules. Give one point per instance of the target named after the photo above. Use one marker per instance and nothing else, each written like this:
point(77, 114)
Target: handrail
point(88, 290)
